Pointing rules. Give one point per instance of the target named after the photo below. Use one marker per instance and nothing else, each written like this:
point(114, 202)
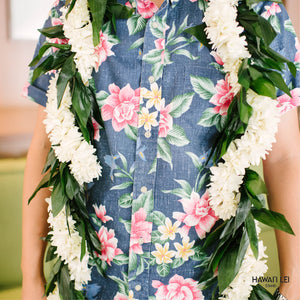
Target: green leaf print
point(288, 26)
point(124, 161)
point(137, 43)
point(123, 285)
point(176, 136)
point(156, 238)
point(158, 218)
point(135, 24)
point(163, 269)
point(186, 53)
point(121, 259)
point(131, 132)
point(127, 224)
point(275, 23)
point(125, 201)
point(145, 201)
point(158, 26)
point(101, 97)
point(164, 151)
point(177, 192)
point(132, 261)
point(196, 161)
point(209, 118)
point(122, 186)
point(181, 104)
point(153, 166)
point(185, 186)
point(177, 262)
point(96, 220)
point(153, 56)
point(141, 267)
point(203, 86)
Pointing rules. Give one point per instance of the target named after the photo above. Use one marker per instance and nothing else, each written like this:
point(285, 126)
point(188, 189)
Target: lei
point(241, 39)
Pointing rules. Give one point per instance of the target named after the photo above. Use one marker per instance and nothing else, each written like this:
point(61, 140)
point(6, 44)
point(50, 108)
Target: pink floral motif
point(160, 45)
point(55, 3)
point(100, 212)
point(223, 97)
point(120, 296)
point(121, 106)
point(140, 231)
point(96, 127)
point(271, 10)
point(103, 50)
point(297, 45)
point(55, 22)
point(108, 245)
point(25, 89)
point(198, 213)
point(166, 120)
point(177, 289)
point(287, 103)
point(217, 58)
point(146, 8)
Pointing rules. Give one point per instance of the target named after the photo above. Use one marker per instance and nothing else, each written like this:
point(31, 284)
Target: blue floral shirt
point(163, 98)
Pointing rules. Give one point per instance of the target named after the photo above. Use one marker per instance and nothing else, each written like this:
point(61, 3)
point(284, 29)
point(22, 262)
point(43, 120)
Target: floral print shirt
point(163, 98)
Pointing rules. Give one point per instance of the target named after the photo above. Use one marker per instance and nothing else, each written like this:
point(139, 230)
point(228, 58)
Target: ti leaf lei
point(71, 100)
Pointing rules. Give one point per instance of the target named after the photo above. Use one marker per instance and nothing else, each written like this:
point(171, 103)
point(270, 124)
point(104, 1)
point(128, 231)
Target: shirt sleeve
point(287, 44)
point(37, 90)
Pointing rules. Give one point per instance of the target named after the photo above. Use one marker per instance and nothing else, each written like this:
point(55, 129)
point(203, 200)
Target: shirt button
point(144, 189)
point(147, 134)
point(151, 79)
point(154, 25)
point(137, 287)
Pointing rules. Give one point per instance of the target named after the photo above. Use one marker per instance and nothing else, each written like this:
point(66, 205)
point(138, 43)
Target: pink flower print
point(103, 50)
point(177, 289)
point(223, 97)
point(217, 58)
point(108, 245)
point(121, 107)
point(166, 120)
point(128, 4)
point(25, 89)
point(160, 45)
point(287, 103)
point(140, 231)
point(198, 213)
point(297, 45)
point(146, 8)
point(271, 10)
point(120, 296)
point(55, 3)
point(100, 212)
point(96, 127)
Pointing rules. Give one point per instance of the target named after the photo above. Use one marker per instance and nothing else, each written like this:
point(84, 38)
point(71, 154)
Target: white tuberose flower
point(67, 142)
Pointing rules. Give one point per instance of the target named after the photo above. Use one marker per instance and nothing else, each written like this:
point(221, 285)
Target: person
point(150, 207)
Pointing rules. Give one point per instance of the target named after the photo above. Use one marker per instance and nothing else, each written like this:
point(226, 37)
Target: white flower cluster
point(54, 295)
point(224, 33)
point(67, 240)
point(78, 29)
point(66, 139)
point(240, 288)
point(253, 146)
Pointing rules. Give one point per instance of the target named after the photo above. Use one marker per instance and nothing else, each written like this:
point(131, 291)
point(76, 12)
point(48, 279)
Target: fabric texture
point(163, 98)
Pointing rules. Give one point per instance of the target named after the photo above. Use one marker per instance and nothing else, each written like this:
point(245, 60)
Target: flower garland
point(73, 149)
point(66, 139)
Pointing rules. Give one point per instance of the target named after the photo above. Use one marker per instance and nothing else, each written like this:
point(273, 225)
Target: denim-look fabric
point(163, 98)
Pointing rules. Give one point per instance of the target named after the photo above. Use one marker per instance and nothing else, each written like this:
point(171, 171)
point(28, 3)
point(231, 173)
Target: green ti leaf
point(199, 33)
point(53, 32)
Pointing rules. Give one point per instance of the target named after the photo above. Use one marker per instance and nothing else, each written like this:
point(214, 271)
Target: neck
point(158, 3)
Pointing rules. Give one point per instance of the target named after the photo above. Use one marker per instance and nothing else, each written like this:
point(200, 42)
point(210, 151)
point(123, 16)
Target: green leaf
point(288, 26)
point(67, 72)
point(264, 87)
point(185, 186)
point(274, 20)
point(127, 224)
point(213, 236)
point(97, 10)
point(186, 53)
point(122, 186)
point(176, 136)
point(242, 211)
point(180, 104)
point(198, 32)
point(64, 283)
point(271, 218)
point(132, 261)
point(278, 81)
point(72, 186)
point(140, 269)
point(203, 86)
point(196, 161)
point(163, 269)
point(122, 285)
point(260, 293)
point(252, 234)
point(158, 218)
point(254, 183)
point(177, 262)
point(120, 11)
point(43, 183)
point(178, 192)
point(53, 32)
point(164, 151)
point(209, 118)
point(58, 199)
point(245, 110)
point(125, 201)
point(145, 201)
point(121, 259)
point(137, 43)
point(156, 238)
point(135, 24)
point(131, 132)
